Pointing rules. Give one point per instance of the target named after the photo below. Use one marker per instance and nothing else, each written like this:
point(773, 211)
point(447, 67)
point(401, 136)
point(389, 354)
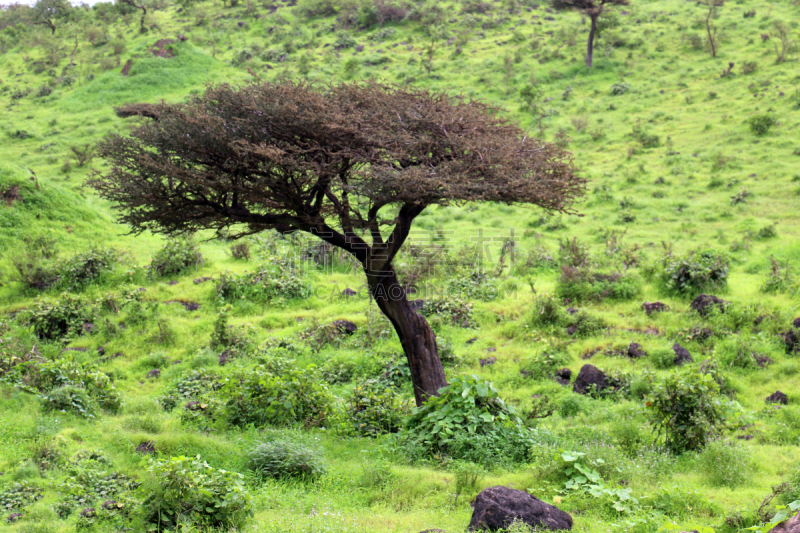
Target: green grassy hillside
point(692, 173)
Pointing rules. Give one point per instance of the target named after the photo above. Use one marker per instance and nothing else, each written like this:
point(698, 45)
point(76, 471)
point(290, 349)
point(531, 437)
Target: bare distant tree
point(352, 164)
point(593, 9)
point(711, 29)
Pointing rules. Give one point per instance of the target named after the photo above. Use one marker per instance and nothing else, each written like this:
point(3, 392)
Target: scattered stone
point(348, 292)
point(778, 397)
point(240, 24)
point(160, 49)
point(433, 531)
point(473, 339)
point(488, 361)
point(705, 302)
point(762, 361)
point(198, 281)
point(498, 507)
point(796, 322)
point(792, 341)
point(155, 373)
point(345, 326)
point(13, 517)
point(88, 512)
point(127, 68)
point(189, 306)
point(223, 358)
point(89, 328)
point(745, 437)
point(101, 351)
point(147, 447)
point(789, 526)
point(682, 355)
point(635, 351)
point(563, 376)
point(73, 349)
point(491, 350)
point(572, 310)
point(588, 376)
point(108, 505)
point(173, 282)
point(654, 307)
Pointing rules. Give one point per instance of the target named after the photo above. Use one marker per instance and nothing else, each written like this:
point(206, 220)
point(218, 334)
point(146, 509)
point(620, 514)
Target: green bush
point(285, 457)
point(583, 284)
point(569, 406)
point(60, 319)
point(547, 310)
point(793, 494)
point(195, 385)
point(686, 409)
point(662, 358)
point(259, 397)
point(725, 464)
point(543, 365)
point(375, 408)
point(85, 268)
point(17, 496)
point(585, 324)
point(265, 284)
point(699, 271)
point(761, 124)
point(186, 491)
point(176, 257)
point(467, 421)
point(452, 310)
point(67, 385)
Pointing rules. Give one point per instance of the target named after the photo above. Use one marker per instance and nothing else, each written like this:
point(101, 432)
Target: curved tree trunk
point(590, 44)
point(416, 335)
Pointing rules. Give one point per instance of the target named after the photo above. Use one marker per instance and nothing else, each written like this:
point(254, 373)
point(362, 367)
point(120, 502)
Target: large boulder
point(682, 355)
point(778, 397)
point(497, 507)
point(788, 526)
point(654, 307)
point(345, 326)
point(704, 303)
point(588, 376)
point(635, 351)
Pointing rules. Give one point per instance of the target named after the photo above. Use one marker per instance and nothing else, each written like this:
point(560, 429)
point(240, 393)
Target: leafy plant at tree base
point(285, 457)
point(686, 408)
point(467, 420)
point(375, 408)
point(186, 491)
point(581, 477)
point(176, 257)
point(259, 397)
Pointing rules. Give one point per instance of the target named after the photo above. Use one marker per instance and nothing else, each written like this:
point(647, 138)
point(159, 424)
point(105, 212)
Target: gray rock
point(497, 507)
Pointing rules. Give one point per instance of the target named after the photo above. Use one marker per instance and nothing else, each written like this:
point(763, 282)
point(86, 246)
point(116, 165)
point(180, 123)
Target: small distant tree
point(783, 35)
point(46, 12)
point(591, 8)
point(133, 4)
point(711, 29)
point(353, 164)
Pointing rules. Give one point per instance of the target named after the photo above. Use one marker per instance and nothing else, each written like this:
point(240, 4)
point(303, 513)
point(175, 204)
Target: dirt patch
point(127, 68)
point(160, 49)
point(147, 447)
point(11, 195)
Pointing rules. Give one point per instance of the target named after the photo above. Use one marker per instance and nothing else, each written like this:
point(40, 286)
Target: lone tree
point(593, 9)
point(46, 11)
point(352, 164)
point(711, 29)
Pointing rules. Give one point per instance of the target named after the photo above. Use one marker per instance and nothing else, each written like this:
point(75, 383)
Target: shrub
point(793, 493)
point(35, 266)
point(260, 397)
point(547, 310)
point(467, 417)
point(699, 271)
point(620, 88)
point(176, 257)
point(544, 365)
point(741, 196)
point(19, 495)
point(375, 408)
point(187, 491)
point(662, 358)
point(195, 385)
point(83, 269)
point(265, 284)
point(628, 436)
point(285, 457)
point(68, 385)
point(344, 40)
point(584, 284)
point(64, 318)
point(761, 124)
point(725, 464)
point(686, 409)
point(585, 324)
point(240, 250)
point(453, 310)
point(570, 405)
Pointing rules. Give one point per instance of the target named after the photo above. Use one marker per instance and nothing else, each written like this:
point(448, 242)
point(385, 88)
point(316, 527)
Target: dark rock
point(792, 341)
point(682, 355)
point(473, 339)
point(789, 526)
point(179, 361)
point(345, 326)
point(198, 281)
point(588, 376)
point(189, 306)
point(13, 517)
point(433, 531)
point(635, 351)
point(572, 329)
point(497, 507)
point(73, 349)
point(89, 328)
point(762, 361)
point(223, 358)
point(88, 512)
point(705, 302)
point(491, 350)
point(173, 282)
point(155, 373)
point(796, 322)
point(572, 310)
point(240, 24)
point(488, 361)
point(193, 405)
point(108, 505)
point(778, 397)
point(654, 307)
point(563, 376)
point(116, 354)
point(745, 437)
point(349, 292)
point(127, 68)
point(101, 350)
point(360, 48)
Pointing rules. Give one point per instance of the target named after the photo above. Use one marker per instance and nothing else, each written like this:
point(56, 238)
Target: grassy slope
point(695, 128)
